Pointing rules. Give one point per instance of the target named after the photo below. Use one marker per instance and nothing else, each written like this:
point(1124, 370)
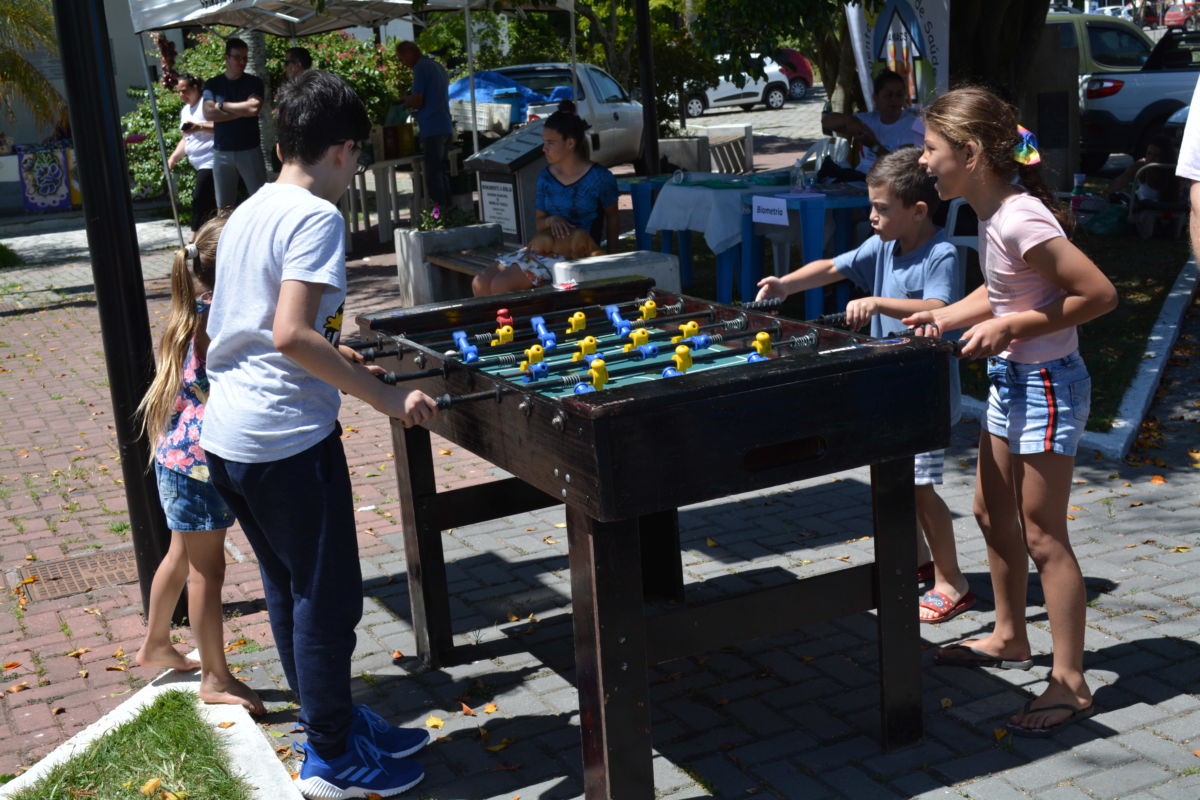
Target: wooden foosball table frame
point(737, 429)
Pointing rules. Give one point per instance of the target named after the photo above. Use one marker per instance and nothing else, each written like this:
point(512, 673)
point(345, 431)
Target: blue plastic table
point(811, 209)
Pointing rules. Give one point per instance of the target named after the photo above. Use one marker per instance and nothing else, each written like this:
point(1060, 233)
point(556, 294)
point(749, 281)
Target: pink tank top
point(1021, 223)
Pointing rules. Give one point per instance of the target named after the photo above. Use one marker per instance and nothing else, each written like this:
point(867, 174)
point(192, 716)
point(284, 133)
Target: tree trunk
point(257, 57)
point(990, 42)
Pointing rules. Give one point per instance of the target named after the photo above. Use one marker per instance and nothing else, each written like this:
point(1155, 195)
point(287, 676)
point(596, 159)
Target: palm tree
point(26, 27)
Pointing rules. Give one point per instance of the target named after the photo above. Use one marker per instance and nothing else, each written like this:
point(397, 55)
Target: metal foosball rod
point(392, 378)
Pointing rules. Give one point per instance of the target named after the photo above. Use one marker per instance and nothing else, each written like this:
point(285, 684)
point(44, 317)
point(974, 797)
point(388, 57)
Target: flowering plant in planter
point(437, 217)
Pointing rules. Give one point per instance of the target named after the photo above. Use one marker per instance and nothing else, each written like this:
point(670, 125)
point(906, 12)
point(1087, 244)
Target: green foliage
point(681, 68)
point(8, 258)
point(372, 71)
point(27, 26)
point(437, 218)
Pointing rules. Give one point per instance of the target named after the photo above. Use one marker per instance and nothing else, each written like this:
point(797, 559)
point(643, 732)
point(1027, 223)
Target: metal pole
point(471, 78)
point(116, 266)
point(646, 79)
point(152, 96)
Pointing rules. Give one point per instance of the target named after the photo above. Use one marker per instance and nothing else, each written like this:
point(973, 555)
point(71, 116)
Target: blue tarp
point(488, 83)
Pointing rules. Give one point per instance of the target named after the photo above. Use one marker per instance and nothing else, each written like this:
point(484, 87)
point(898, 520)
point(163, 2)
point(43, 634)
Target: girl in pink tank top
point(1037, 288)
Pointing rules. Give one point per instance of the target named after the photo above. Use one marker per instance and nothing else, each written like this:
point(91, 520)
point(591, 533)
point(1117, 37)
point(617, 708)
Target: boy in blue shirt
point(272, 437)
point(907, 266)
point(430, 98)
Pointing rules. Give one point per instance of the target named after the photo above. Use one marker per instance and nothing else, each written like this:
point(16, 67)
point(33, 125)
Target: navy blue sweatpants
point(298, 514)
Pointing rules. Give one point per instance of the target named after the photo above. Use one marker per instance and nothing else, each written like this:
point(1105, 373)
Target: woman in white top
point(197, 144)
point(890, 126)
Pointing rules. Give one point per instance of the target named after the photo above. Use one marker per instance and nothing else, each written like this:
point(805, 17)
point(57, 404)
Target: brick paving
point(786, 717)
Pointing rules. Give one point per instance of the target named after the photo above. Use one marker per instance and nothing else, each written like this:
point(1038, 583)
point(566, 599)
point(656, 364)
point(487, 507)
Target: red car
point(1182, 15)
point(797, 70)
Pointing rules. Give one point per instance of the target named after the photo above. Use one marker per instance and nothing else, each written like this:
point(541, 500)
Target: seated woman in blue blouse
point(572, 193)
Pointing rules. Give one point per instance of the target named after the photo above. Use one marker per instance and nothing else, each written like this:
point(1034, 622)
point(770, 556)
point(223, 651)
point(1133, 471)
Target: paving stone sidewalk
point(787, 717)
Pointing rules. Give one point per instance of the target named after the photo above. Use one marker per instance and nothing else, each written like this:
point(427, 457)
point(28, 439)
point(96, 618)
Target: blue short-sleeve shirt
point(931, 272)
point(581, 202)
point(429, 81)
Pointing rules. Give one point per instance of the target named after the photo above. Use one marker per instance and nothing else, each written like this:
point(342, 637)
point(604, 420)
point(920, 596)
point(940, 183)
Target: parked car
point(798, 71)
point(1182, 15)
point(1124, 110)
point(1124, 12)
point(771, 91)
point(1104, 44)
point(616, 119)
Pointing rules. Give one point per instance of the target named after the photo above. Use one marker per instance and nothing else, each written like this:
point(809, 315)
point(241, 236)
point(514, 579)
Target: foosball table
point(625, 403)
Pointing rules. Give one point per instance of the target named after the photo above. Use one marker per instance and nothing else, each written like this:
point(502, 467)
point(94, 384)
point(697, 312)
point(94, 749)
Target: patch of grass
point(1143, 271)
point(8, 258)
point(119, 527)
point(168, 740)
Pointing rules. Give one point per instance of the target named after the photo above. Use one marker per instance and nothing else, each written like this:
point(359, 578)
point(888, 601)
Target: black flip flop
point(982, 659)
point(1077, 715)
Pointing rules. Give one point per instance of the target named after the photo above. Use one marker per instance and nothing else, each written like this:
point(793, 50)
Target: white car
point(773, 92)
point(1116, 11)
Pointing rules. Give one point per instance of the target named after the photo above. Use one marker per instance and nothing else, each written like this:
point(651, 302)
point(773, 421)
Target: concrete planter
point(419, 281)
point(689, 153)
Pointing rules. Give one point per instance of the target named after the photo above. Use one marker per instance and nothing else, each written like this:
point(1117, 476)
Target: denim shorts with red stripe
point(1039, 408)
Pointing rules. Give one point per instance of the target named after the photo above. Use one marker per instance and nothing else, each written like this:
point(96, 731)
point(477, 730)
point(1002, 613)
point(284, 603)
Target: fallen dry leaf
point(151, 786)
point(94, 611)
point(57, 710)
point(490, 708)
point(512, 617)
point(11, 665)
point(548, 540)
point(116, 668)
point(18, 687)
point(30, 579)
point(226, 724)
point(1158, 480)
point(444, 452)
point(466, 710)
point(83, 673)
point(1196, 753)
point(1150, 617)
point(1070, 516)
point(1136, 503)
point(76, 653)
point(120, 653)
point(946, 702)
point(1075, 508)
point(1181, 549)
point(397, 655)
point(560, 524)
point(999, 733)
point(496, 748)
point(434, 722)
point(710, 541)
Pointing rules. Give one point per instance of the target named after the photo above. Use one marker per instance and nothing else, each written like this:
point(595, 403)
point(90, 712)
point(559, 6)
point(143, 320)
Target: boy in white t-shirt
point(272, 436)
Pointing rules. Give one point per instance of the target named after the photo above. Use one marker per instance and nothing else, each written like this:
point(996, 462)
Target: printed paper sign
point(499, 205)
point(770, 210)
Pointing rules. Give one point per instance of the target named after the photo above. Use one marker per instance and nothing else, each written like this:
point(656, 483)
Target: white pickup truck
point(616, 119)
point(1122, 111)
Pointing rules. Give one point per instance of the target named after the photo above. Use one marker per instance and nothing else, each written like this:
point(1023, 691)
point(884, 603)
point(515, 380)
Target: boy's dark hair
point(300, 55)
point(901, 172)
point(317, 110)
point(234, 43)
point(884, 78)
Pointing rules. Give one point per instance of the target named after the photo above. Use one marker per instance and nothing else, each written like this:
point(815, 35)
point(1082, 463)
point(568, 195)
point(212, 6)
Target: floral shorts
point(538, 269)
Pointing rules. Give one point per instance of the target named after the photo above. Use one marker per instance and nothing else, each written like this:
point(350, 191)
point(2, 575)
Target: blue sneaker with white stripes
point(359, 772)
point(387, 739)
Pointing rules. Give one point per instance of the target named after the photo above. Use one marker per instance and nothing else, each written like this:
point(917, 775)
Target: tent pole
point(162, 144)
point(574, 71)
point(471, 78)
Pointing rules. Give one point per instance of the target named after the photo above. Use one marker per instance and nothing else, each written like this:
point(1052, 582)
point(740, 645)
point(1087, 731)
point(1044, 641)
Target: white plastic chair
point(961, 231)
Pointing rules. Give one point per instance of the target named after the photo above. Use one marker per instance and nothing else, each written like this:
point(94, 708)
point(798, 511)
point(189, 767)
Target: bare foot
point(970, 652)
point(1038, 714)
point(952, 594)
point(164, 656)
point(230, 691)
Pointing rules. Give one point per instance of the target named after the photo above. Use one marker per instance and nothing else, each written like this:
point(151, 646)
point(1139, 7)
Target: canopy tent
point(278, 17)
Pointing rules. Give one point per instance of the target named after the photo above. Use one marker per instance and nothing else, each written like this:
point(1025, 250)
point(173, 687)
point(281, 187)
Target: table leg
point(685, 258)
point(610, 658)
point(384, 177)
point(752, 259)
point(727, 261)
point(427, 588)
point(662, 557)
point(418, 188)
point(895, 520)
point(812, 238)
point(643, 202)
